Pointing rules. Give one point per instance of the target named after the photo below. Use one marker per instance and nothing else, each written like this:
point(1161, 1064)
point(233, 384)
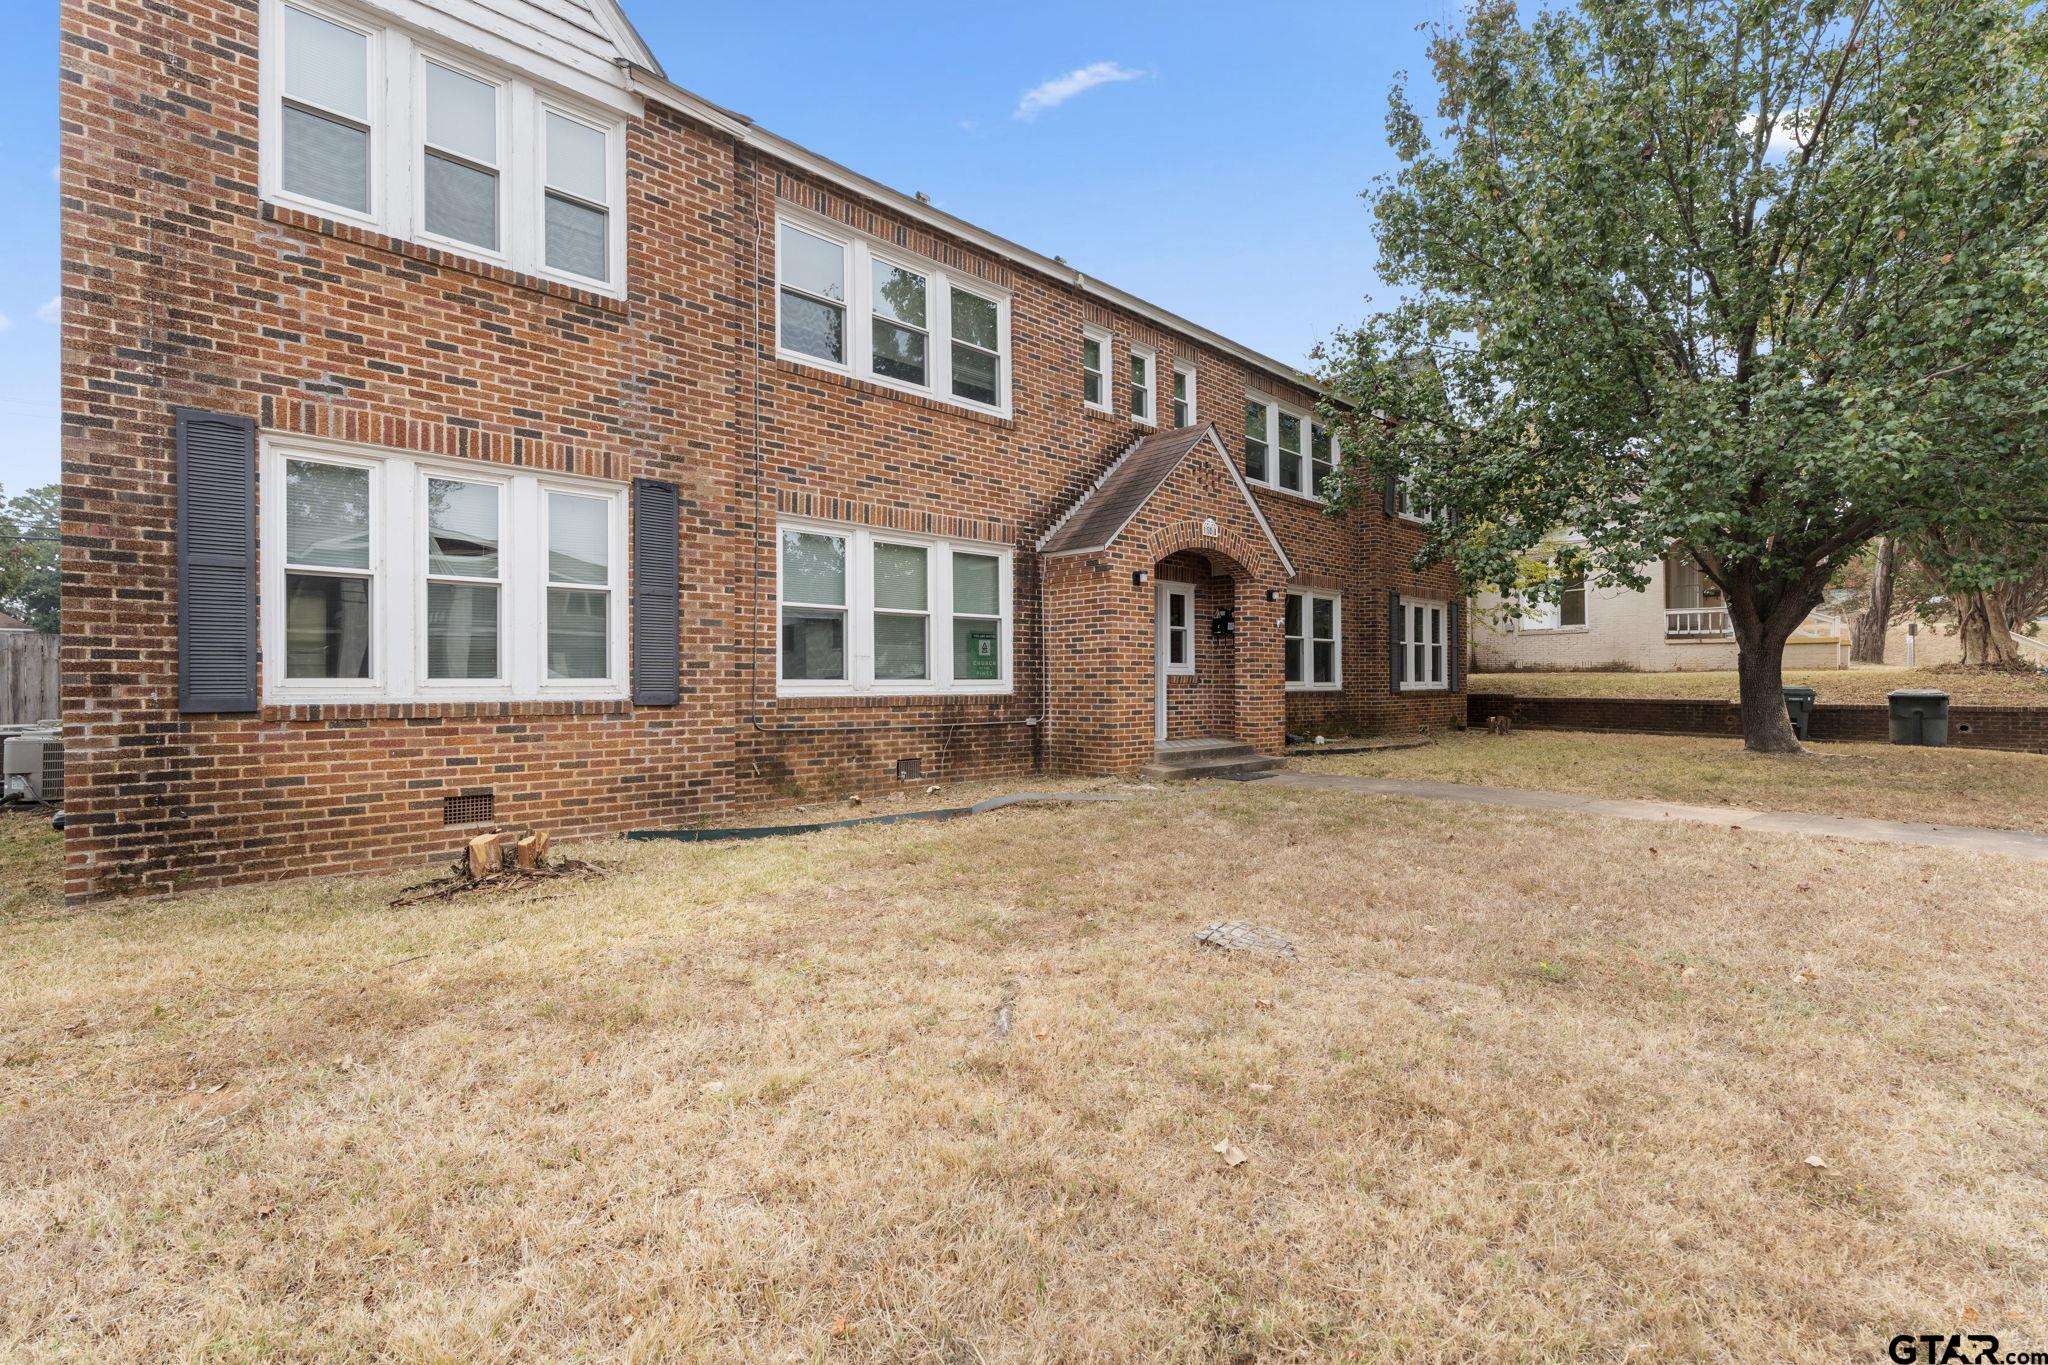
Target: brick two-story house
point(464, 423)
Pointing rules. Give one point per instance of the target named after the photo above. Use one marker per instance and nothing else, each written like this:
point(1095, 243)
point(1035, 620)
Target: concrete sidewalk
point(2009, 842)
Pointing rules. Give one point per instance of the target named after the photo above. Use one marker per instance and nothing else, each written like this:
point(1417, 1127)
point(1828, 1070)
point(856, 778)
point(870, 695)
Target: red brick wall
point(182, 289)
point(2022, 728)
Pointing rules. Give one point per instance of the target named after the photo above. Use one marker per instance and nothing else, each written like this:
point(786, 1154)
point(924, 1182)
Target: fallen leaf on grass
point(1262, 1003)
point(712, 1087)
point(1230, 1152)
point(1817, 1162)
point(1260, 1088)
point(841, 1327)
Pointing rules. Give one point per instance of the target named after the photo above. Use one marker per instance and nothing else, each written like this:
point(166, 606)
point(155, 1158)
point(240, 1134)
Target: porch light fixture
point(1272, 594)
point(1140, 577)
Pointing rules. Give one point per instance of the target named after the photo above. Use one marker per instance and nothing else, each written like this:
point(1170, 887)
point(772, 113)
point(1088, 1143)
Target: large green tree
point(1757, 279)
point(28, 556)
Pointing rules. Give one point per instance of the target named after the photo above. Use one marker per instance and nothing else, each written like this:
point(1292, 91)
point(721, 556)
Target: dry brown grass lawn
point(1875, 781)
point(1539, 1088)
point(1972, 686)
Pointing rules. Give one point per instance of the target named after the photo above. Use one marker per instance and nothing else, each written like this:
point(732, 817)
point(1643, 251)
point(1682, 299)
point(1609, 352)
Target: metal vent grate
point(470, 808)
point(908, 768)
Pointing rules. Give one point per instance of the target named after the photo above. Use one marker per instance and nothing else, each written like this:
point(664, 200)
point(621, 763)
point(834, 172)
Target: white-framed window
point(407, 134)
point(1425, 646)
point(1183, 395)
point(924, 329)
point(878, 611)
point(1406, 507)
point(461, 132)
point(1144, 362)
point(1095, 368)
point(1285, 448)
point(1568, 612)
point(1314, 633)
point(1177, 628)
point(396, 577)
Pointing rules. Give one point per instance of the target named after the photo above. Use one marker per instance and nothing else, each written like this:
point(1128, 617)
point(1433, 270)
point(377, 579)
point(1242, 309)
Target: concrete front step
point(1233, 765)
point(1185, 751)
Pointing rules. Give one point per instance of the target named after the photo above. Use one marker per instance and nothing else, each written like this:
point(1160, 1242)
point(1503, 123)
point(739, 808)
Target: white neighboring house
point(1676, 624)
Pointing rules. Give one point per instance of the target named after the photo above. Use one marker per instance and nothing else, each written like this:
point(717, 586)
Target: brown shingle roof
point(1102, 512)
point(1108, 507)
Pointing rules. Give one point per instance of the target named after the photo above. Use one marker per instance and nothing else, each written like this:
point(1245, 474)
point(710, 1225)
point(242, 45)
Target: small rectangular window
point(1141, 385)
point(1321, 458)
point(1183, 395)
point(1290, 452)
point(329, 585)
point(900, 329)
point(813, 606)
point(576, 204)
point(579, 586)
point(812, 314)
point(1571, 606)
point(1313, 632)
point(977, 617)
point(1176, 628)
point(459, 168)
point(1094, 358)
point(326, 113)
point(977, 348)
point(1256, 436)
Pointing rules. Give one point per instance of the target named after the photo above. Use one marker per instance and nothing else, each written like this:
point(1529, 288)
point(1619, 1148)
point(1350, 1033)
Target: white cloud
point(1786, 133)
point(53, 311)
point(1057, 91)
point(6, 323)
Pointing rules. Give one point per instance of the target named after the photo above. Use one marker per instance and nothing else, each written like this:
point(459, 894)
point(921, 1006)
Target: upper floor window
point(874, 611)
point(371, 125)
point(926, 331)
point(1183, 395)
point(1144, 367)
point(1402, 502)
point(1095, 368)
point(398, 578)
point(1286, 449)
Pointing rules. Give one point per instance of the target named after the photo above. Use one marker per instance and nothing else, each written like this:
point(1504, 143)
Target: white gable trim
point(538, 56)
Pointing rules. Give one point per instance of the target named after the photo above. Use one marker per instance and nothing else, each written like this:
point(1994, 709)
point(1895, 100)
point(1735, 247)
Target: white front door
point(1173, 644)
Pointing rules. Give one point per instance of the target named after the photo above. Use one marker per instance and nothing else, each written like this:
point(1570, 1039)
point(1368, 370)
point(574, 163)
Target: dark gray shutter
point(216, 562)
point(657, 623)
point(1396, 660)
point(1453, 648)
point(1389, 496)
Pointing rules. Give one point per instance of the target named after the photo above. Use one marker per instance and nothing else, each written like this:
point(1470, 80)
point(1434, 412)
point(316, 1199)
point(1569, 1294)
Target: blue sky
point(1210, 159)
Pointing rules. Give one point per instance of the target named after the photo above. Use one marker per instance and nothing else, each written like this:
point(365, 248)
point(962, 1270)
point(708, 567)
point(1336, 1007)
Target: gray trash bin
point(1919, 715)
point(1799, 706)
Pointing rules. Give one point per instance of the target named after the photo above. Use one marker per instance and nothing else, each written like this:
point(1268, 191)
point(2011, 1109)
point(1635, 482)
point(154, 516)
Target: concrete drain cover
point(1235, 936)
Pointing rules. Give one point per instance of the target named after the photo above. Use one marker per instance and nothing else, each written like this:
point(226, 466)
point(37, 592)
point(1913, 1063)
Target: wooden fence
point(28, 677)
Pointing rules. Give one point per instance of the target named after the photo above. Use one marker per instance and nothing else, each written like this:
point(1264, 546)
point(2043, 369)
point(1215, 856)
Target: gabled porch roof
point(1100, 514)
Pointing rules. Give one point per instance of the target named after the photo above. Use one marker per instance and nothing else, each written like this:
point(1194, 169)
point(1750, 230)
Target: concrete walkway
point(2009, 842)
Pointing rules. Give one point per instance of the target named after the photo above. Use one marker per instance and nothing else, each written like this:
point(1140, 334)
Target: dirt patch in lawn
point(1929, 786)
point(1535, 1086)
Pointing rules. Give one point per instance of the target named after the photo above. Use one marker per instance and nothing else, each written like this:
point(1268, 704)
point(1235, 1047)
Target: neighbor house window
point(1425, 646)
point(459, 161)
point(1257, 417)
point(325, 130)
point(812, 310)
point(1183, 395)
point(400, 578)
point(864, 611)
point(1144, 366)
point(1314, 623)
point(927, 330)
point(577, 213)
point(1094, 369)
point(492, 165)
point(1568, 610)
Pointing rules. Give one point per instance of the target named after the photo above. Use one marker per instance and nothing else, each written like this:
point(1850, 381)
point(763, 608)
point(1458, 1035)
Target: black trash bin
point(1919, 715)
point(1799, 706)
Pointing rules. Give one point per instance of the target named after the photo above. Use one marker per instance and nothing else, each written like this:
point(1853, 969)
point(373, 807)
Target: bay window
point(1313, 634)
point(861, 611)
point(398, 578)
point(927, 330)
point(413, 136)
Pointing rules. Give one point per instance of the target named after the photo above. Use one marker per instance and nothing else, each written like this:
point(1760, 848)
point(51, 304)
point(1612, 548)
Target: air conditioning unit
point(33, 768)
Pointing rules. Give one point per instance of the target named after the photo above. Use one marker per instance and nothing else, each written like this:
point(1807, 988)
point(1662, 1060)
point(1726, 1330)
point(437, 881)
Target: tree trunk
point(1986, 628)
point(1763, 622)
point(1866, 643)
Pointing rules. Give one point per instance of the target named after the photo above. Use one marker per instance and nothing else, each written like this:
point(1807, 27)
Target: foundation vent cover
point(470, 808)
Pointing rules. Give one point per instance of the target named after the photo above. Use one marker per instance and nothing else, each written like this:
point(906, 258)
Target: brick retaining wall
point(2022, 728)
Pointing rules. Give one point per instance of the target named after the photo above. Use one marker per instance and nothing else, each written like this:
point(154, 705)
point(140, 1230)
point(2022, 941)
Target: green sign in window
point(980, 655)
